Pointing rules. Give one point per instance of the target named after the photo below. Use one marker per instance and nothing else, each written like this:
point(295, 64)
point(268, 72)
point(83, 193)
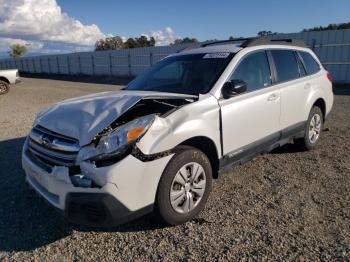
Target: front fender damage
point(160, 127)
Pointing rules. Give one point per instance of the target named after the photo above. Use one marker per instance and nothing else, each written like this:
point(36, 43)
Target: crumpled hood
point(84, 117)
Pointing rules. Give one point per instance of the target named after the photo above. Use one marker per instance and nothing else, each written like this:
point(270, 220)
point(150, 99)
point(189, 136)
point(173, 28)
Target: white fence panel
point(332, 47)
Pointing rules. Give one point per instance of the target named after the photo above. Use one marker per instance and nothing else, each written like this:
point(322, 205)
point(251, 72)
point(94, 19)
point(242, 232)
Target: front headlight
point(118, 140)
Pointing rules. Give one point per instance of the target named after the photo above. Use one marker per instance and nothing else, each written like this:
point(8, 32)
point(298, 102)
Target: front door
point(251, 120)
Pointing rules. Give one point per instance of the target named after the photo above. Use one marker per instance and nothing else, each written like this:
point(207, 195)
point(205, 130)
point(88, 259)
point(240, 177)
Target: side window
point(311, 65)
point(254, 70)
point(286, 65)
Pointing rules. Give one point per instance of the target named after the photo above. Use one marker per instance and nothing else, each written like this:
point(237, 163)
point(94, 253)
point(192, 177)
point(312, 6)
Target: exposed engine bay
point(158, 106)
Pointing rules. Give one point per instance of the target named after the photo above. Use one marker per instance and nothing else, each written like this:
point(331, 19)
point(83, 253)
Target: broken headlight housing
point(117, 141)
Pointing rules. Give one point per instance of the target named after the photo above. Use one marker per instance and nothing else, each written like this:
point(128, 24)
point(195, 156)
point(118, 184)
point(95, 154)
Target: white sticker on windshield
point(216, 55)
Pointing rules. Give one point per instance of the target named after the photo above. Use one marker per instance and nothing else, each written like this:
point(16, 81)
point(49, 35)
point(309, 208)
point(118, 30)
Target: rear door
point(250, 120)
point(294, 89)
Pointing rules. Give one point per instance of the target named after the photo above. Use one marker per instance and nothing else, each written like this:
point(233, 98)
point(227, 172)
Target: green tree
point(17, 50)
point(152, 41)
point(329, 27)
point(130, 43)
point(186, 40)
point(142, 41)
point(266, 33)
point(109, 43)
point(116, 42)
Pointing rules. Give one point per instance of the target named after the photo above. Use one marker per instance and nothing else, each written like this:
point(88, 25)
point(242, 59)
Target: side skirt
point(265, 145)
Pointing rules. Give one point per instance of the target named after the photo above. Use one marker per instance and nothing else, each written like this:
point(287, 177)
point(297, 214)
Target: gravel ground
point(286, 205)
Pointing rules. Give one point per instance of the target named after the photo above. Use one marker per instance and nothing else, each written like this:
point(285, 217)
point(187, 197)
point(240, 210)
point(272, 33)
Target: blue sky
point(63, 26)
point(207, 19)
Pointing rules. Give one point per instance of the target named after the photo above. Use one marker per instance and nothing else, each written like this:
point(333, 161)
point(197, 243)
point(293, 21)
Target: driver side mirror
point(233, 88)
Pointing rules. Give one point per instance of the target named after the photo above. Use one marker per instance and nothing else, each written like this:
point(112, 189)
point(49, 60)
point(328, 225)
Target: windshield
point(186, 74)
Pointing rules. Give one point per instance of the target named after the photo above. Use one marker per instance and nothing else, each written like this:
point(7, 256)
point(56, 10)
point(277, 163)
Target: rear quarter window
point(310, 63)
point(286, 65)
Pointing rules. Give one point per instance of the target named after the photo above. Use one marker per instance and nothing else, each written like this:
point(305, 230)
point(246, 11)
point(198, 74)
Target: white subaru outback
point(106, 158)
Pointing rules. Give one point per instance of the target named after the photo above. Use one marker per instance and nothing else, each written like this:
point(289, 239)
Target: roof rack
point(268, 41)
point(227, 41)
point(255, 41)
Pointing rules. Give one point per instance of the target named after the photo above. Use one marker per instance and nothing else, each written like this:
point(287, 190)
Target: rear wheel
point(184, 187)
point(313, 130)
point(4, 87)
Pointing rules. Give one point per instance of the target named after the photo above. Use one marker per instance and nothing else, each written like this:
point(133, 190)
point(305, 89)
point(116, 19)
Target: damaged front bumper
point(118, 193)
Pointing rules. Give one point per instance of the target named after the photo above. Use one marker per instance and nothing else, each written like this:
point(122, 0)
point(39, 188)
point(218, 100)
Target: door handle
point(272, 97)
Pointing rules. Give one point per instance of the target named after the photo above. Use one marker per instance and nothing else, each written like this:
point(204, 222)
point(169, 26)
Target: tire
point(4, 87)
point(182, 209)
point(314, 124)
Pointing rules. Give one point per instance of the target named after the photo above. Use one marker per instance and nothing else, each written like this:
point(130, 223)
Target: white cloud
point(31, 45)
point(44, 20)
point(164, 37)
point(44, 28)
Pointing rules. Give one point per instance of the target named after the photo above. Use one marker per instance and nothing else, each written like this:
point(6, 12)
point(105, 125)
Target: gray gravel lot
point(286, 205)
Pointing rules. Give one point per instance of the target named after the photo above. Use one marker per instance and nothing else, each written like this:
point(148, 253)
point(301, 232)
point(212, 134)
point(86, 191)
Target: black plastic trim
point(301, 65)
point(264, 145)
point(221, 132)
point(245, 153)
point(99, 210)
point(294, 130)
point(136, 152)
point(243, 40)
point(268, 41)
point(272, 65)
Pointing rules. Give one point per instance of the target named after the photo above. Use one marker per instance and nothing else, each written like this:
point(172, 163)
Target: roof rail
point(268, 41)
point(255, 41)
point(227, 41)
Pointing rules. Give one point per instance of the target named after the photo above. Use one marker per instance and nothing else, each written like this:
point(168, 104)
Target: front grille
point(51, 148)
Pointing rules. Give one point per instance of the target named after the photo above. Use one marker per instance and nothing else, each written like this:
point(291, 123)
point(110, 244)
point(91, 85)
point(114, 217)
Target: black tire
point(305, 142)
point(4, 87)
point(163, 206)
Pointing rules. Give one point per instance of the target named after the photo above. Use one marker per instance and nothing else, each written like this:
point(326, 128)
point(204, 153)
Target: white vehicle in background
point(8, 77)
point(157, 145)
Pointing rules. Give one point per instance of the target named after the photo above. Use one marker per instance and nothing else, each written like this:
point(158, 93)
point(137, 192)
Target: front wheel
point(184, 187)
point(313, 130)
point(4, 87)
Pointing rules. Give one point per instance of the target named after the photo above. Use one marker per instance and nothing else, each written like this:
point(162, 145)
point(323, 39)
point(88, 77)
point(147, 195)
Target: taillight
point(329, 76)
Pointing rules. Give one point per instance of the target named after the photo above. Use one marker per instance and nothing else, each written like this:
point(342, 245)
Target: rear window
point(286, 65)
point(310, 63)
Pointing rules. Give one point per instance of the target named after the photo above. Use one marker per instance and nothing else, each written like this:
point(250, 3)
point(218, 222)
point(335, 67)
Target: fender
point(319, 92)
point(189, 121)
